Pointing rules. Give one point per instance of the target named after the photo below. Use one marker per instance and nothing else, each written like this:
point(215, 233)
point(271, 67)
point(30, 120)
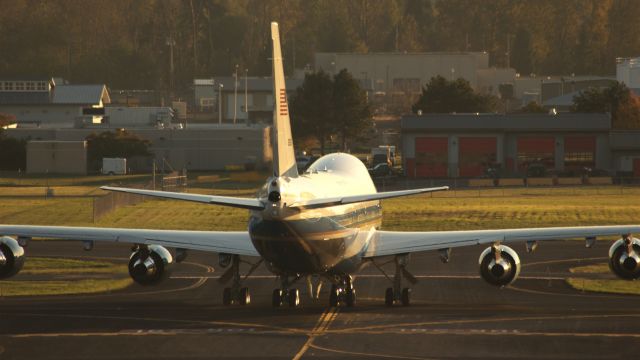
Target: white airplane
point(322, 223)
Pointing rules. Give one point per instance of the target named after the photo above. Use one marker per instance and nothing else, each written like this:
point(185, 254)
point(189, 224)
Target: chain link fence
point(104, 205)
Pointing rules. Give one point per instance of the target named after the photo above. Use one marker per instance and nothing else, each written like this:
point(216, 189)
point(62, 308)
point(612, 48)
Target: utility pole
point(508, 50)
point(235, 95)
point(171, 43)
point(246, 94)
point(220, 86)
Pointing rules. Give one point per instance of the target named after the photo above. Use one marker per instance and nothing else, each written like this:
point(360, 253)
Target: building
point(628, 72)
point(258, 106)
point(466, 145)
point(408, 72)
point(57, 157)
point(199, 147)
point(45, 103)
point(554, 89)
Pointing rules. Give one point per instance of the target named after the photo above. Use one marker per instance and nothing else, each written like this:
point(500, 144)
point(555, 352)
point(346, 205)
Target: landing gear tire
point(350, 297)
point(388, 297)
point(334, 296)
point(405, 297)
point(245, 296)
point(277, 298)
point(294, 297)
point(226, 296)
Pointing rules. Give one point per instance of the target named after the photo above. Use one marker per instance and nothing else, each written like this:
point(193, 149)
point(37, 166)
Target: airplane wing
point(326, 202)
point(244, 203)
point(396, 242)
point(231, 242)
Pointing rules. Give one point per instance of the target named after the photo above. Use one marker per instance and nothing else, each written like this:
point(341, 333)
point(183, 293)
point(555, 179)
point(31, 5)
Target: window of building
point(42, 85)
point(8, 85)
point(31, 86)
point(575, 159)
point(19, 86)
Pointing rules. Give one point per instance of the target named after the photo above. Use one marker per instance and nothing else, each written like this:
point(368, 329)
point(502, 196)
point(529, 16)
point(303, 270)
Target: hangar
point(466, 145)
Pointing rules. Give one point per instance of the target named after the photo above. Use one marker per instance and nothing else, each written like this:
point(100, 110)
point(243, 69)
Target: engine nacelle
point(11, 257)
point(624, 258)
point(499, 265)
point(150, 265)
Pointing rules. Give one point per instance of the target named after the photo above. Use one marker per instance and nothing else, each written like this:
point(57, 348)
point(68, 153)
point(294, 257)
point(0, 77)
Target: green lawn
point(615, 286)
point(58, 269)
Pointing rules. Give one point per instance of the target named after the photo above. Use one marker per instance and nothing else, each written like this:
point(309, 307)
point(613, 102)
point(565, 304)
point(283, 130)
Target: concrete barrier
point(481, 183)
point(540, 182)
point(511, 182)
point(604, 180)
point(569, 181)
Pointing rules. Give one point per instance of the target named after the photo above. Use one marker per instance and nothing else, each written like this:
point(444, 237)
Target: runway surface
point(454, 314)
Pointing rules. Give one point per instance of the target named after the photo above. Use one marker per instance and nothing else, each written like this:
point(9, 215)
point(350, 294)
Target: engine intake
point(499, 265)
point(150, 265)
point(11, 257)
point(624, 258)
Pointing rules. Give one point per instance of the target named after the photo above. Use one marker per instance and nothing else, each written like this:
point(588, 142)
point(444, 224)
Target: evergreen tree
point(443, 96)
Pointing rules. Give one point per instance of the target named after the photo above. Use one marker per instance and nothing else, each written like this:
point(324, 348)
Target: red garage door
point(431, 156)
point(476, 154)
point(579, 152)
point(536, 150)
point(636, 168)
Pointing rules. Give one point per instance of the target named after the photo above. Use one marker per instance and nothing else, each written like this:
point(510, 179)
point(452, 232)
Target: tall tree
point(311, 109)
point(351, 111)
point(440, 95)
point(616, 99)
point(522, 55)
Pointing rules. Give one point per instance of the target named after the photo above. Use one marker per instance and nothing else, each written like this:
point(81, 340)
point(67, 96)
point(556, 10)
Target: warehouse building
point(46, 103)
point(57, 157)
point(200, 147)
point(466, 145)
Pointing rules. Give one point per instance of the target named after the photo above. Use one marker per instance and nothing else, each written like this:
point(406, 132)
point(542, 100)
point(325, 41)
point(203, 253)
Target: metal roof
point(61, 94)
point(80, 94)
point(24, 97)
point(508, 122)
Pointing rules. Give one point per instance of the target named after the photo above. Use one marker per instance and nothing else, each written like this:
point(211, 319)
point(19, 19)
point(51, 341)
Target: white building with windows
point(44, 103)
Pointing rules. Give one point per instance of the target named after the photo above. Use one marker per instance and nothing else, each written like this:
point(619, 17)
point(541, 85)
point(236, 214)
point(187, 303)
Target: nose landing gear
point(236, 294)
point(342, 292)
point(285, 294)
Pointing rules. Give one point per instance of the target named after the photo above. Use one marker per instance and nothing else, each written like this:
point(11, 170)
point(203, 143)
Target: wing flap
point(334, 201)
point(244, 203)
point(396, 242)
point(232, 242)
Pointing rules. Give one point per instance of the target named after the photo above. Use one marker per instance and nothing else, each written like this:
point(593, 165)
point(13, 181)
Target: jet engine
point(149, 265)
point(11, 257)
point(624, 258)
point(499, 265)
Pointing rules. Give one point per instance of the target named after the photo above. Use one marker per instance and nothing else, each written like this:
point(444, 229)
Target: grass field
point(610, 286)
point(450, 210)
point(57, 269)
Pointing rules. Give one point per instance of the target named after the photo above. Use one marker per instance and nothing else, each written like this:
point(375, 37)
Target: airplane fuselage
point(316, 241)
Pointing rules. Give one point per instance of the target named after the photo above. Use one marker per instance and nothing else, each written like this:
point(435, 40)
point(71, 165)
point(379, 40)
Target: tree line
point(127, 44)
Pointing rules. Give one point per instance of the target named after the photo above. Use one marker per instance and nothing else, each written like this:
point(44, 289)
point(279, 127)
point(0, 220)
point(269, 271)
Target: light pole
point(246, 94)
point(235, 95)
point(171, 43)
point(220, 86)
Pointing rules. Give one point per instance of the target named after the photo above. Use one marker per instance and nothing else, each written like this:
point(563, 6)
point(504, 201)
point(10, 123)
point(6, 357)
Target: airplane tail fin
point(284, 159)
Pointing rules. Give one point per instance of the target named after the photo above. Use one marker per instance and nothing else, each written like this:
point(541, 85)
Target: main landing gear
point(342, 292)
point(236, 294)
point(397, 294)
point(286, 294)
